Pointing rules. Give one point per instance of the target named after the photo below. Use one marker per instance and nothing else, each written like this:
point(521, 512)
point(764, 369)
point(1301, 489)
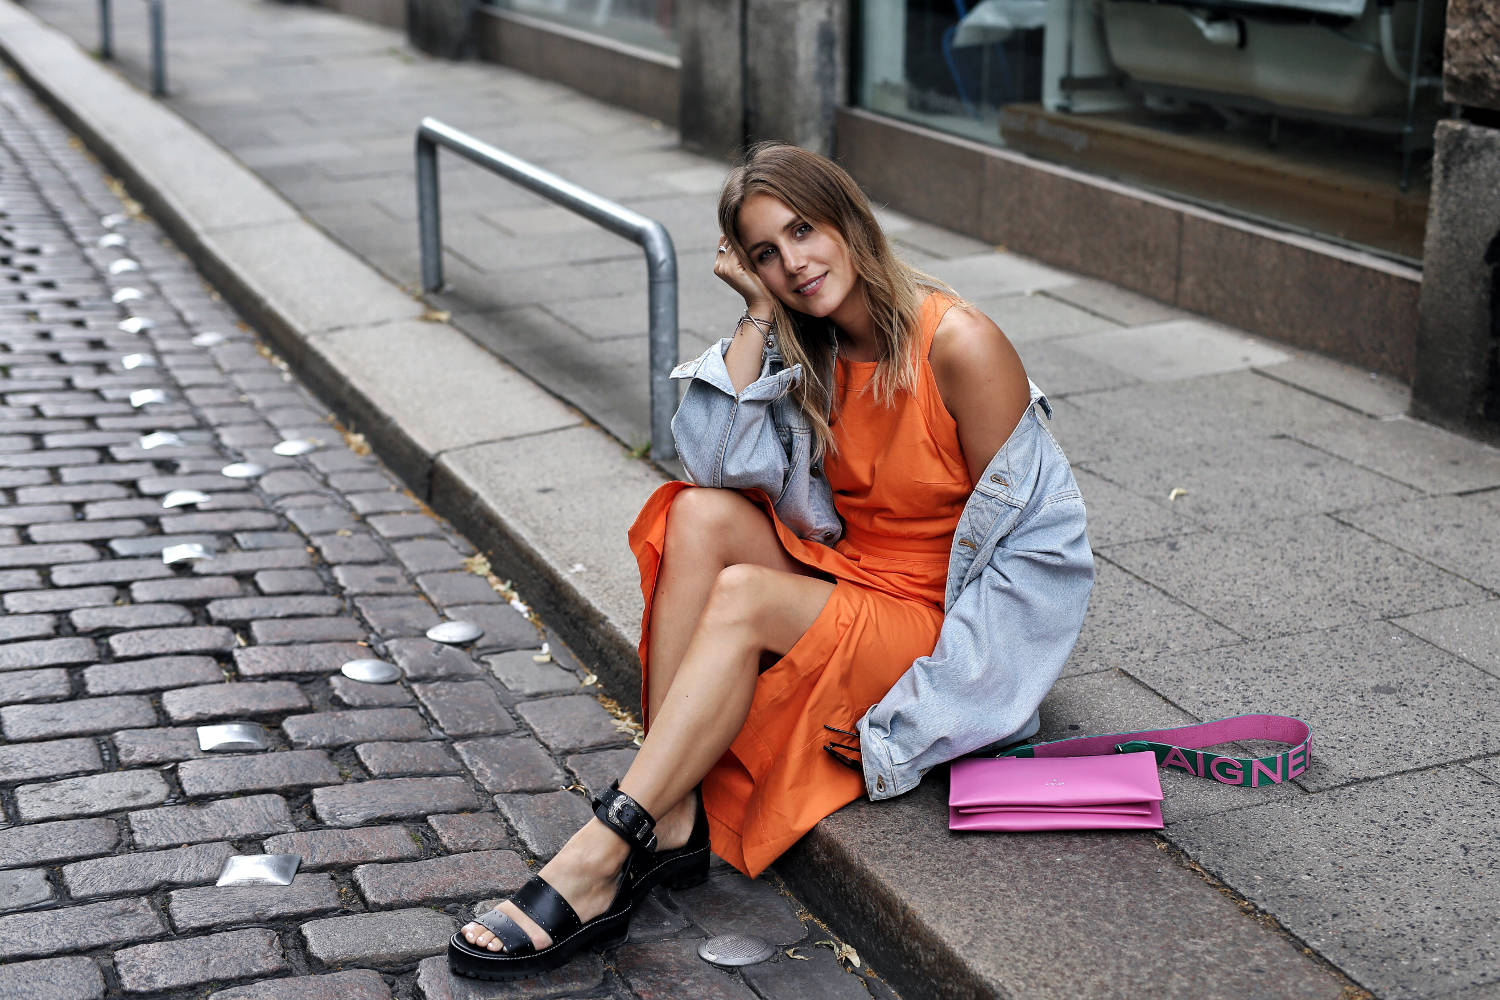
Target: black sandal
point(546, 906)
point(681, 867)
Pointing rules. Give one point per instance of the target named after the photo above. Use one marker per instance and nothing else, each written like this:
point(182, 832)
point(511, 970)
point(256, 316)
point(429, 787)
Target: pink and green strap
point(1184, 754)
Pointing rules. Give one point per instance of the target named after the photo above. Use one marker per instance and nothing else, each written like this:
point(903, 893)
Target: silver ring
point(723, 249)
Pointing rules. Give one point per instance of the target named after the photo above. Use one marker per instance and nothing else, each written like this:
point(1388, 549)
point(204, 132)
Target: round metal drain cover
point(731, 950)
point(371, 671)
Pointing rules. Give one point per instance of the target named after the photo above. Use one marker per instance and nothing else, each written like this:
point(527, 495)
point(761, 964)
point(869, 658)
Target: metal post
point(661, 304)
point(429, 218)
point(106, 39)
point(652, 236)
point(158, 50)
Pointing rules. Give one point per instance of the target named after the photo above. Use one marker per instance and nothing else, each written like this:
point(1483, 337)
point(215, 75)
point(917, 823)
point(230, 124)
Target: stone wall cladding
point(1471, 55)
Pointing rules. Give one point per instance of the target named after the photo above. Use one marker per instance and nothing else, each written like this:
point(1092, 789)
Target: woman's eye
point(803, 229)
point(764, 255)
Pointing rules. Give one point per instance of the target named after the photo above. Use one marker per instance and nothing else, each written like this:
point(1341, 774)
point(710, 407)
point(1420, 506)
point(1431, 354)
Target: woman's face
point(807, 268)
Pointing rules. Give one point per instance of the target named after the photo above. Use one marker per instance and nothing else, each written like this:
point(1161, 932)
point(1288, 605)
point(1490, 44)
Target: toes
point(476, 933)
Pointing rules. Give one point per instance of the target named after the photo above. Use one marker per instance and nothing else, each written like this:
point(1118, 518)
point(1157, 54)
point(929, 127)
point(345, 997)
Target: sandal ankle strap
point(626, 817)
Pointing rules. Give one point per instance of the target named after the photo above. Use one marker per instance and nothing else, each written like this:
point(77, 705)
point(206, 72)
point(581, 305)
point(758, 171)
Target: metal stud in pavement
point(127, 295)
point(111, 240)
point(124, 266)
point(186, 552)
point(114, 220)
point(145, 397)
point(184, 498)
point(259, 869)
point(242, 470)
point(160, 439)
point(209, 338)
point(455, 633)
point(371, 671)
point(227, 737)
point(732, 950)
point(136, 324)
point(294, 446)
point(132, 361)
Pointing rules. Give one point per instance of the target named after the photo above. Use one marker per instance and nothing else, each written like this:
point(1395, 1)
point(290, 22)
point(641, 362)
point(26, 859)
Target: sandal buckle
point(626, 817)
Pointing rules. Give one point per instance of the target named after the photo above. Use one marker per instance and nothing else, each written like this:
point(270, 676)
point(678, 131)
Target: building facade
point(1322, 172)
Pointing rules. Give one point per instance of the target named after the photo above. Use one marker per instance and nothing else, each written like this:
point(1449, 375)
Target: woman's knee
point(704, 520)
point(740, 595)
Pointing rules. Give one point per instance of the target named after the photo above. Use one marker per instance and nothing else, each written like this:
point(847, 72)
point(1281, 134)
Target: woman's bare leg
point(750, 609)
point(708, 530)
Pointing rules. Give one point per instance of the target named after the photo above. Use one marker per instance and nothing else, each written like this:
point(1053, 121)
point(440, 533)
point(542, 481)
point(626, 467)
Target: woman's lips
point(812, 286)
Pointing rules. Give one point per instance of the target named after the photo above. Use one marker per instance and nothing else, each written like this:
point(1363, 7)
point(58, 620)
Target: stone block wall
point(1471, 56)
point(1458, 346)
point(762, 69)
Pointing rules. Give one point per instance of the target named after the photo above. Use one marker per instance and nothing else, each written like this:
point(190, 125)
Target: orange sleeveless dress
point(899, 483)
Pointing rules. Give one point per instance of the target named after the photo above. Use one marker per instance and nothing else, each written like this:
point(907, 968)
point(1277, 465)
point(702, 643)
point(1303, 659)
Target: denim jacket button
point(879, 783)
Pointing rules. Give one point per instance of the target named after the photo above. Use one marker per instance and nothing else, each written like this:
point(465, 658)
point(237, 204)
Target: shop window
point(1311, 115)
point(651, 24)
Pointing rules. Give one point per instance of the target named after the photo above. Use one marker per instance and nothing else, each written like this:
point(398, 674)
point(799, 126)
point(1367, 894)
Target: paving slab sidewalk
point(1273, 534)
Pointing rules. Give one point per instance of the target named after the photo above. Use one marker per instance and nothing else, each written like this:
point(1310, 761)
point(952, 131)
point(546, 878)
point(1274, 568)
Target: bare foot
point(586, 872)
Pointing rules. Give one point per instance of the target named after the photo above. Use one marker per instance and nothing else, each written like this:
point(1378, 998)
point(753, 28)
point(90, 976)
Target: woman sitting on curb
point(880, 519)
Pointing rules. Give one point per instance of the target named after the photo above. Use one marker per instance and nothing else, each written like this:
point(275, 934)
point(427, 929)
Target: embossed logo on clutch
point(1057, 782)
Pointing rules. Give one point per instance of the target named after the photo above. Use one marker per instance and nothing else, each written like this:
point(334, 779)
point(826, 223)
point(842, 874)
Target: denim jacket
point(1019, 571)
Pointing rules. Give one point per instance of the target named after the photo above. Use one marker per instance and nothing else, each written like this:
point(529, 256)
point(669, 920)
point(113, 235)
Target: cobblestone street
point(412, 805)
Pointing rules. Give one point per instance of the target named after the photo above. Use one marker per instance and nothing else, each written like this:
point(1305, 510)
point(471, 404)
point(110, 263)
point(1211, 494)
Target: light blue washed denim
point(1019, 571)
point(754, 439)
point(1019, 575)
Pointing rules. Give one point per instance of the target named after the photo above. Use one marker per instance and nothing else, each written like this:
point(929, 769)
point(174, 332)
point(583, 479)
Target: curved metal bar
point(652, 236)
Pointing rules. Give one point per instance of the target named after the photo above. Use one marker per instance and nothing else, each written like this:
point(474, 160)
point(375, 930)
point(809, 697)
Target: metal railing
point(158, 42)
point(652, 236)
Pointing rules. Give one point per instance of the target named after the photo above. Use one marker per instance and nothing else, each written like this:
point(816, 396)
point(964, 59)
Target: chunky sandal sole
point(480, 963)
point(681, 872)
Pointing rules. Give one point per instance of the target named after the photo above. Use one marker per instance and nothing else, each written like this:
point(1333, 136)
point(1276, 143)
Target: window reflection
point(648, 23)
point(1313, 115)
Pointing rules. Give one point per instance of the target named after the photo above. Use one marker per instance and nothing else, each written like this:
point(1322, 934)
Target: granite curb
point(543, 530)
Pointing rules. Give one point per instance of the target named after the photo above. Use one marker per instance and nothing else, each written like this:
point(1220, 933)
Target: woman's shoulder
point(961, 334)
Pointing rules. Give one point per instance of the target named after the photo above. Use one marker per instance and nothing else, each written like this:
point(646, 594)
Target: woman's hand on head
point(747, 283)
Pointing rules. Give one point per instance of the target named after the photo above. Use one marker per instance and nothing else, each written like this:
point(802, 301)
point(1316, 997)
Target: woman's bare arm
point(982, 382)
point(743, 359)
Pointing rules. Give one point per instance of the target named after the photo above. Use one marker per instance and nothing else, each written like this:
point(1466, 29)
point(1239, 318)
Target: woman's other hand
point(733, 273)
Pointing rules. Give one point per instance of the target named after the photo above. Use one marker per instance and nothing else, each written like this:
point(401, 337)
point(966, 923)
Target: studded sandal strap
point(513, 939)
point(626, 817)
point(545, 905)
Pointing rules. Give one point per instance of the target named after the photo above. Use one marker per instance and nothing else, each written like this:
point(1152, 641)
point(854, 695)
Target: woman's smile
point(807, 267)
point(811, 288)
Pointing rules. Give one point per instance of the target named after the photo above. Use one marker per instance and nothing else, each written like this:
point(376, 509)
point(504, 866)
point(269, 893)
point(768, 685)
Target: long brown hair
point(824, 195)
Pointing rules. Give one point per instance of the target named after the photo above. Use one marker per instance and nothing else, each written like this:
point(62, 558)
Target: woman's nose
point(792, 260)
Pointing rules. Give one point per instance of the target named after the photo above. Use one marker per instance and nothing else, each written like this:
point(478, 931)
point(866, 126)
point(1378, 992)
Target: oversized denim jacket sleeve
point(756, 438)
point(1019, 577)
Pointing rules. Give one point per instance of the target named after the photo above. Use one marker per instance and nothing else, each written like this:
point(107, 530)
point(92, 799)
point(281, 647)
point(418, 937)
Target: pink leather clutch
point(1110, 782)
point(1017, 794)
